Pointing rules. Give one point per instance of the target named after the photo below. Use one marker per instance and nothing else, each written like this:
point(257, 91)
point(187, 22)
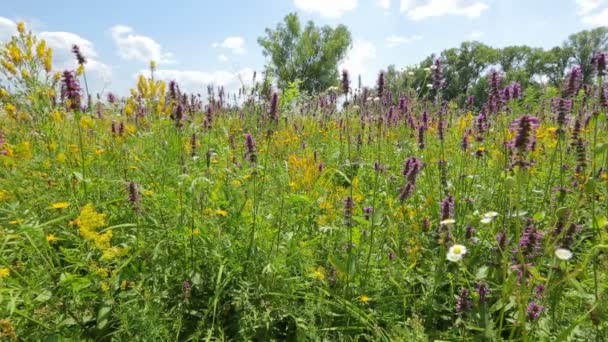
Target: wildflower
point(51, 238)
point(345, 82)
point(221, 212)
point(70, 90)
point(464, 144)
point(482, 290)
point(134, 195)
point(406, 192)
point(421, 137)
point(539, 291)
point(599, 63)
point(530, 243)
point(60, 205)
point(464, 302)
point(368, 211)
point(501, 240)
point(274, 107)
point(21, 27)
point(318, 273)
point(437, 75)
point(10, 109)
point(561, 107)
point(470, 233)
point(411, 169)
point(572, 83)
point(349, 205)
point(5, 272)
point(524, 138)
point(250, 148)
point(447, 222)
point(534, 311)
point(563, 254)
point(456, 252)
point(380, 85)
point(364, 299)
point(447, 208)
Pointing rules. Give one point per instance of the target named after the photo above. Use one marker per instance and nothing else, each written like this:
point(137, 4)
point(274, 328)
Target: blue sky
point(202, 42)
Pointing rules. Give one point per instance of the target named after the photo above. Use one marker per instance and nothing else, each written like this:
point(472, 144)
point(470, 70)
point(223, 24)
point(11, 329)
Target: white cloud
point(134, 47)
point(593, 12)
point(235, 43)
point(63, 58)
point(357, 60)
point(7, 29)
point(222, 58)
point(393, 41)
point(193, 81)
point(423, 9)
point(386, 4)
point(326, 8)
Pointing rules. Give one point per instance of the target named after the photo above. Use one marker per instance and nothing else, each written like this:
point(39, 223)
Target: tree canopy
point(466, 67)
point(310, 54)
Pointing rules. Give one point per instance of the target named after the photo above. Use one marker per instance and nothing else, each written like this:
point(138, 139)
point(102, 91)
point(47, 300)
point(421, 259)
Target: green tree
point(310, 54)
point(584, 45)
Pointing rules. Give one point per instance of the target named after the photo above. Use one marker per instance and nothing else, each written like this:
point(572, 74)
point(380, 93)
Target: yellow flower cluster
point(89, 221)
point(303, 172)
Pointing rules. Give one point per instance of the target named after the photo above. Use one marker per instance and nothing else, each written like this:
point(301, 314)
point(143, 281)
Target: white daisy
point(456, 252)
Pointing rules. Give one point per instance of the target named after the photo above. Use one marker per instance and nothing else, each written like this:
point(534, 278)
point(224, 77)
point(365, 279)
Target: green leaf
point(539, 216)
point(600, 148)
point(103, 315)
point(482, 273)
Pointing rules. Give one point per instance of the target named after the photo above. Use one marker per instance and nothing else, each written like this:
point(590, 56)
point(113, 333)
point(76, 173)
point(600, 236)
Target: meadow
point(354, 214)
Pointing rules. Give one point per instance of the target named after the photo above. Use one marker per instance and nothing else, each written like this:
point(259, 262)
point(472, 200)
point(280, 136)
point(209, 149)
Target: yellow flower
point(86, 122)
point(48, 60)
point(4, 93)
point(196, 232)
point(60, 205)
point(221, 212)
point(104, 286)
point(319, 273)
point(51, 238)
point(14, 53)
point(21, 27)
point(61, 158)
point(364, 299)
point(41, 49)
point(114, 252)
point(4, 195)
point(10, 67)
point(5, 272)
point(10, 109)
point(25, 74)
point(57, 116)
